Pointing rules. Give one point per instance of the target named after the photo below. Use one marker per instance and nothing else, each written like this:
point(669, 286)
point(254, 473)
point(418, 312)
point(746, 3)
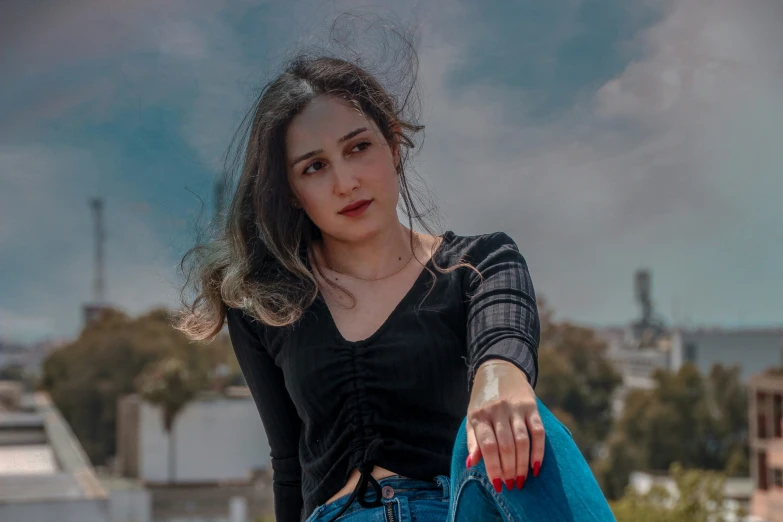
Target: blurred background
point(631, 148)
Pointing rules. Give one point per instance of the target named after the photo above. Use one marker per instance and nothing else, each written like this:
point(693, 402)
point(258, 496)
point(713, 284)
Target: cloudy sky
point(602, 136)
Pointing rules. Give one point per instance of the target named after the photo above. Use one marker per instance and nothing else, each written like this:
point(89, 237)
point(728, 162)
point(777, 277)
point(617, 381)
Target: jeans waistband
point(394, 486)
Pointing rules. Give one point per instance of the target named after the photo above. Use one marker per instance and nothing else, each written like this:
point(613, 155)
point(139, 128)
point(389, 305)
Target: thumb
point(474, 452)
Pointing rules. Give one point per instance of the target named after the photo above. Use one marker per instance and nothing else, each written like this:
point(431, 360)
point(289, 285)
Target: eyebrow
point(312, 153)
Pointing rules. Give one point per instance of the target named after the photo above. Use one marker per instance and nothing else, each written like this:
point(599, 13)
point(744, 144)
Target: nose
point(346, 179)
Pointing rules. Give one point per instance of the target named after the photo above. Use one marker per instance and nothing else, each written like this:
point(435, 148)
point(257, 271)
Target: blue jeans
point(565, 490)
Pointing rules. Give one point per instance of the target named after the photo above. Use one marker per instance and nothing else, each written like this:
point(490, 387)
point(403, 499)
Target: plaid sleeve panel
point(502, 313)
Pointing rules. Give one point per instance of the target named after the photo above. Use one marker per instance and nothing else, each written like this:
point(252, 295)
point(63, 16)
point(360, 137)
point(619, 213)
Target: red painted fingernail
point(520, 481)
point(467, 462)
point(536, 468)
point(498, 485)
point(510, 484)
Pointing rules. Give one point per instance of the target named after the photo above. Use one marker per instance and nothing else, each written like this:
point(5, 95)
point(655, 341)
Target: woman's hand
point(504, 425)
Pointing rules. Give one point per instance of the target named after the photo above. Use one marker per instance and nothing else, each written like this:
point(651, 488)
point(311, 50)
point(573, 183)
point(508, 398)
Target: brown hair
point(257, 257)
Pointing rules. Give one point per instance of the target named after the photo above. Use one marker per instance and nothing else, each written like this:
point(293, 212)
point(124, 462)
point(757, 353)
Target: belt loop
point(445, 483)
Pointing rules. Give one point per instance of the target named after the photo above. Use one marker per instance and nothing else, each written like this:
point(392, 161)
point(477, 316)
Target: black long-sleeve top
point(397, 398)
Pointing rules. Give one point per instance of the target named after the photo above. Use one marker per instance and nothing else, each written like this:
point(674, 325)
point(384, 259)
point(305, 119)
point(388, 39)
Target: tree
point(698, 421)
point(170, 385)
point(86, 377)
point(729, 411)
point(697, 497)
point(576, 380)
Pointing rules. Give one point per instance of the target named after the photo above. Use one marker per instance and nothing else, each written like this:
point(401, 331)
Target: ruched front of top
point(397, 398)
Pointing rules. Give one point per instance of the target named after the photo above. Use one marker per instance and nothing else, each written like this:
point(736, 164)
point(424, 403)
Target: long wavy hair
point(257, 256)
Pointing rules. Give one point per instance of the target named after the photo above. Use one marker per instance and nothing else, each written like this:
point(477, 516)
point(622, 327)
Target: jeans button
point(387, 492)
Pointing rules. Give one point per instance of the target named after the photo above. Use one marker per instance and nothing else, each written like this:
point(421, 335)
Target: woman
point(394, 370)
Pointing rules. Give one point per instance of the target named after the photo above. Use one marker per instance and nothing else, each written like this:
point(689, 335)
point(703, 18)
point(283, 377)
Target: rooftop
point(40, 458)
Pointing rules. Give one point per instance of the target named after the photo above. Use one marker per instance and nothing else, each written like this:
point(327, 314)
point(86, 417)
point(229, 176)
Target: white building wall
point(215, 439)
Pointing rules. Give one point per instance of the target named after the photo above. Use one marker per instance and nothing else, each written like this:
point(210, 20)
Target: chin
point(355, 232)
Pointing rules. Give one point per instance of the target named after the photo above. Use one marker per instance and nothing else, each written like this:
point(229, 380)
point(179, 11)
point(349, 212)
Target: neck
point(375, 257)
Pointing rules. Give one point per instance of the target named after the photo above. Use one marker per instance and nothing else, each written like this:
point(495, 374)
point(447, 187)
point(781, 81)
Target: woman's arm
point(502, 313)
point(278, 414)
point(504, 427)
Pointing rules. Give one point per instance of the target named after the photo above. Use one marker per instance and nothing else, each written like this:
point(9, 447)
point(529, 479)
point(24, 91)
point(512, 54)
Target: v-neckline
point(405, 298)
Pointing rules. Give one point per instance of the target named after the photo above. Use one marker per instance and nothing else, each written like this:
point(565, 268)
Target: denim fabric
point(565, 490)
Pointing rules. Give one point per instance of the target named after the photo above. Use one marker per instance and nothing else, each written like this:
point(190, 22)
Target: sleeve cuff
point(287, 471)
point(514, 351)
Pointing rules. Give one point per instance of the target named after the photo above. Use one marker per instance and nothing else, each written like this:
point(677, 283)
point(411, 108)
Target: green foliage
point(698, 421)
point(86, 377)
point(697, 497)
point(170, 385)
point(576, 380)
point(613, 470)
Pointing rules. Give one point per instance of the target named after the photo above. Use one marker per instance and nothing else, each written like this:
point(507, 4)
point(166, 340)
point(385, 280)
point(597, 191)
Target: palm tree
point(171, 386)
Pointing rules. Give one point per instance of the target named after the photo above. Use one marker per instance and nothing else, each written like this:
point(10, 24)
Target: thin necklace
point(326, 262)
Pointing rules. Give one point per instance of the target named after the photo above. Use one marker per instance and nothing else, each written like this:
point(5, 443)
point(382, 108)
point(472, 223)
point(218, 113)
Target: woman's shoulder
point(242, 317)
point(475, 246)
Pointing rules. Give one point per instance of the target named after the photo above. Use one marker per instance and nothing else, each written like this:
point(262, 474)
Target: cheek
point(317, 201)
point(382, 174)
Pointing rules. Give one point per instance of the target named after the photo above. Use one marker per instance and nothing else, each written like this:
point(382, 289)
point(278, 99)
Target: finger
point(485, 436)
point(474, 452)
point(537, 440)
point(507, 450)
point(519, 429)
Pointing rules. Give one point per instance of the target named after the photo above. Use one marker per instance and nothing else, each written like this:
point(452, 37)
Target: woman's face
point(337, 157)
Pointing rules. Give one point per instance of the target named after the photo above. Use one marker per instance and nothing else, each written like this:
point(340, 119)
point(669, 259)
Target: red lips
point(357, 204)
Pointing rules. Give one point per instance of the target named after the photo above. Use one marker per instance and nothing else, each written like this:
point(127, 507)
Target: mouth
point(356, 207)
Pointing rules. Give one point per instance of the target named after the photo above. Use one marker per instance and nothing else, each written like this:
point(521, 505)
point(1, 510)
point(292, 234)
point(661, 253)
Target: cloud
point(46, 241)
point(669, 165)
point(39, 37)
point(672, 162)
point(129, 56)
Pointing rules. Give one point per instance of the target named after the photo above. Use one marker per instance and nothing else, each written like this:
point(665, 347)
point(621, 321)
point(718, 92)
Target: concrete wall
point(88, 510)
point(131, 505)
point(215, 439)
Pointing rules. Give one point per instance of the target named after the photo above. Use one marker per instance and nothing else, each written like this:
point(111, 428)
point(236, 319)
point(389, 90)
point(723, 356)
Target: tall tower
point(98, 286)
point(643, 297)
point(649, 328)
point(93, 310)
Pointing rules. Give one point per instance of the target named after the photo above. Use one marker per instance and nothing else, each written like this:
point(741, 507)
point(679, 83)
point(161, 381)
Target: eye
point(317, 164)
point(364, 145)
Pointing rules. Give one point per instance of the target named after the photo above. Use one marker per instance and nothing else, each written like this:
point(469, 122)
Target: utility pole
point(93, 310)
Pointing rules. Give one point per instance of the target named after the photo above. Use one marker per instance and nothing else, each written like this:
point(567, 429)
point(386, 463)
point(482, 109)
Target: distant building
point(220, 453)
point(754, 350)
point(648, 344)
point(765, 395)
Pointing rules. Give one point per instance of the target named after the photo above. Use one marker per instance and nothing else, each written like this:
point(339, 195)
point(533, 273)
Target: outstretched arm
point(504, 426)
